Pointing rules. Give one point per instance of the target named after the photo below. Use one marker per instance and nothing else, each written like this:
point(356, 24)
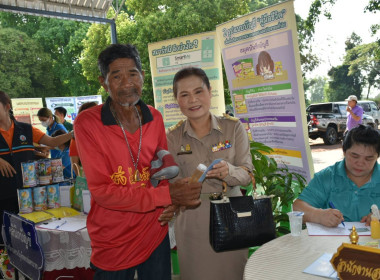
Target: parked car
point(328, 121)
point(370, 108)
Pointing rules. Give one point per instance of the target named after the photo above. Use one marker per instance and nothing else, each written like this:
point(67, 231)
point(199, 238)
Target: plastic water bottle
point(201, 168)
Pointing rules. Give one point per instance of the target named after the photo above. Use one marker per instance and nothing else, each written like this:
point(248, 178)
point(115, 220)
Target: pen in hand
point(333, 207)
point(57, 227)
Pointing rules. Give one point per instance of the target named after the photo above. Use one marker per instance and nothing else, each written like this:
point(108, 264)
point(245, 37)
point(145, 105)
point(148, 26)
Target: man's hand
point(6, 169)
point(169, 213)
point(348, 109)
point(330, 217)
point(184, 193)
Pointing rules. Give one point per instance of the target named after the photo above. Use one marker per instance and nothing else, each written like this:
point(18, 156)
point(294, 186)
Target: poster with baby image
point(262, 62)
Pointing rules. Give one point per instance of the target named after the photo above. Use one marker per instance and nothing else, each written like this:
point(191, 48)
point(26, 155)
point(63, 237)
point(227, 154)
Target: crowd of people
point(16, 146)
point(115, 144)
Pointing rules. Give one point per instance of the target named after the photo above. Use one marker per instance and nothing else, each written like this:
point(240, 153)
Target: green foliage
point(343, 80)
point(342, 85)
point(317, 89)
point(61, 40)
point(373, 6)
point(363, 59)
point(275, 180)
point(25, 70)
point(260, 4)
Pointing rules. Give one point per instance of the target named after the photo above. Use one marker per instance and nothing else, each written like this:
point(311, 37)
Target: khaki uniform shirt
point(227, 140)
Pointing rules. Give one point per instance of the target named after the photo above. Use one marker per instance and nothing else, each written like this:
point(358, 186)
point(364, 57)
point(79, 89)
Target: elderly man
point(117, 142)
point(354, 113)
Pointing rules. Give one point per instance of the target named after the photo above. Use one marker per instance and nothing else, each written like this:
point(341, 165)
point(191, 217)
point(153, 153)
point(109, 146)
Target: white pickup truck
point(328, 121)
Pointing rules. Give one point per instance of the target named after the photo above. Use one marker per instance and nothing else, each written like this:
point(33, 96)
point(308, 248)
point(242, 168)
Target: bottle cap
point(202, 167)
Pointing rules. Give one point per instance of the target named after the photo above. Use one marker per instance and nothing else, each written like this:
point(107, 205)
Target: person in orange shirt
point(16, 146)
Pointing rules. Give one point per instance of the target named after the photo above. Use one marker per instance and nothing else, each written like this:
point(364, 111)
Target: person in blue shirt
point(351, 185)
point(63, 153)
point(51, 123)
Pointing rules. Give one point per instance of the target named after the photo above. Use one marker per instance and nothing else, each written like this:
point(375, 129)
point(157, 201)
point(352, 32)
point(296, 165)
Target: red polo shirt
point(123, 222)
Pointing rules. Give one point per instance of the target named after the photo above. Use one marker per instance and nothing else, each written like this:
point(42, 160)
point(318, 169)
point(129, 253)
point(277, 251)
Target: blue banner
point(21, 241)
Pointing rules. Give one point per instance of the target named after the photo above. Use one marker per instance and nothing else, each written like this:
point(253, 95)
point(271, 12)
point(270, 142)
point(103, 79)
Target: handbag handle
point(78, 169)
point(252, 178)
point(217, 196)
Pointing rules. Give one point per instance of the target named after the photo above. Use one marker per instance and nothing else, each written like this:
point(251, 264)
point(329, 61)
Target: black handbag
point(240, 222)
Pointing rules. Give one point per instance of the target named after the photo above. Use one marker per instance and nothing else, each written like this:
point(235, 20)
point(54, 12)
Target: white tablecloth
point(287, 256)
point(64, 249)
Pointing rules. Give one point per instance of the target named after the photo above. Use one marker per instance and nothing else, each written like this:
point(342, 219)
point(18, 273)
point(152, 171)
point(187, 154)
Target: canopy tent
point(83, 10)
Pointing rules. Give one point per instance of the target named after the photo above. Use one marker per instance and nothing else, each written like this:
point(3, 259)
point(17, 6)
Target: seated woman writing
point(351, 185)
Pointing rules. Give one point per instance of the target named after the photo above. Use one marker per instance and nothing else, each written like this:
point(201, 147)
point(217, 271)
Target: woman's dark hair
point(5, 100)
point(61, 132)
point(115, 51)
point(187, 72)
point(46, 113)
point(364, 135)
point(87, 105)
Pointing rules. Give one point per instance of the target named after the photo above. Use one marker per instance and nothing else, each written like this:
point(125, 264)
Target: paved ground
point(325, 155)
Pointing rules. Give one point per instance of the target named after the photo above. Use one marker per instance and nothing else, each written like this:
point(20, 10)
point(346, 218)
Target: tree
point(342, 85)
point(317, 89)
point(344, 82)
point(367, 63)
point(25, 69)
point(62, 41)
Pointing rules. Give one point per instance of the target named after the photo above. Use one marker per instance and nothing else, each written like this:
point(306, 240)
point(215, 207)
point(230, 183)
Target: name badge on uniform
point(221, 146)
point(185, 150)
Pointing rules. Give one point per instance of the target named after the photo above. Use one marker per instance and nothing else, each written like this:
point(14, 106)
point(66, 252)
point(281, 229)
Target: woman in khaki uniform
point(201, 138)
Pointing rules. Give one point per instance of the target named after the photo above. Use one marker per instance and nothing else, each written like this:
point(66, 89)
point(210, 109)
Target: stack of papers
point(71, 224)
point(318, 229)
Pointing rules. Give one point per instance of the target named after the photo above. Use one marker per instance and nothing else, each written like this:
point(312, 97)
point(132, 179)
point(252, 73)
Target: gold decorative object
point(354, 236)
point(136, 177)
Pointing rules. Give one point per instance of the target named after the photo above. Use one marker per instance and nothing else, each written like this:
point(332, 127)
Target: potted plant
point(271, 179)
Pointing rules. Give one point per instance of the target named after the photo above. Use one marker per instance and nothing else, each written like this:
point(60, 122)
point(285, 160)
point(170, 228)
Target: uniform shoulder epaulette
point(228, 117)
point(173, 127)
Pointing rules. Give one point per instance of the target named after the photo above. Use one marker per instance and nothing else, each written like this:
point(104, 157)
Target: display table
point(287, 256)
point(66, 253)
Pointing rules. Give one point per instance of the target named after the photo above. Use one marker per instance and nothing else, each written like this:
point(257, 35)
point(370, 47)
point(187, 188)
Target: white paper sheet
point(71, 224)
point(318, 229)
point(322, 267)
